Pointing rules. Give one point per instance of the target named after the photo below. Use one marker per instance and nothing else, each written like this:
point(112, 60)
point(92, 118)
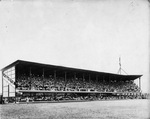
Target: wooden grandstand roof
point(110, 75)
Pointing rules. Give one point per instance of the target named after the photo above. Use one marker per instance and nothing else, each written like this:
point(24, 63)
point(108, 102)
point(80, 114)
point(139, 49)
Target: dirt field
point(116, 109)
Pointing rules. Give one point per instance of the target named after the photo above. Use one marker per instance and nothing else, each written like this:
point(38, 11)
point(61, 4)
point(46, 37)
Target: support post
point(90, 80)
point(75, 79)
point(83, 78)
point(65, 80)
point(30, 78)
point(8, 93)
point(65, 77)
point(30, 72)
point(43, 78)
point(43, 73)
point(55, 77)
point(140, 83)
point(83, 81)
point(2, 87)
point(96, 79)
point(15, 83)
point(103, 79)
point(75, 76)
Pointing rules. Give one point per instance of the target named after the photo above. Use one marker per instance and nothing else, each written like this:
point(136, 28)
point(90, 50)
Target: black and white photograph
point(74, 59)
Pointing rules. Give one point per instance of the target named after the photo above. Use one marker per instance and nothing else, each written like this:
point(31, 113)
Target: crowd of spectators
point(72, 97)
point(73, 84)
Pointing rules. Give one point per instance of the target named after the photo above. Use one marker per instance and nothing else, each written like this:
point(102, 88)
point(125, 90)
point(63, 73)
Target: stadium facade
point(39, 81)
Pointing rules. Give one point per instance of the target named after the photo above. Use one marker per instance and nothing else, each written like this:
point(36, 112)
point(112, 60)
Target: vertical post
point(2, 86)
point(103, 79)
point(140, 83)
point(83, 76)
point(54, 77)
point(30, 78)
point(15, 83)
point(8, 93)
point(65, 78)
point(96, 82)
point(43, 78)
point(75, 80)
point(90, 80)
point(55, 74)
point(43, 73)
point(75, 76)
point(30, 72)
point(96, 79)
point(83, 81)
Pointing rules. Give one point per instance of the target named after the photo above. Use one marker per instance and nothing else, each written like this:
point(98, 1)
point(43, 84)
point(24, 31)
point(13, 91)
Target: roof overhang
point(34, 64)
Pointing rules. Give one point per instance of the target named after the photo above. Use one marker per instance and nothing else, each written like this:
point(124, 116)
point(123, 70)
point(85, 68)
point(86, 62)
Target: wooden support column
point(43, 77)
point(8, 93)
point(103, 79)
point(54, 77)
point(96, 79)
point(30, 78)
point(109, 79)
point(30, 72)
point(75, 76)
point(89, 79)
point(43, 73)
point(65, 76)
point(15, 82)
point(83, 80)
point(65, 79)
point(75, 79)
point(83, 77)
point(55, 74)
point(2, 86)
point(140, 83)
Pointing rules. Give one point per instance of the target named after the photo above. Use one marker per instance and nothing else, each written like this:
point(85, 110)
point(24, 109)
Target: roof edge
point(19, 61)
point(12, 64)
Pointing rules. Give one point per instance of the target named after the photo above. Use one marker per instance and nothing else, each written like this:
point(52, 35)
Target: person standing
point(27, 100)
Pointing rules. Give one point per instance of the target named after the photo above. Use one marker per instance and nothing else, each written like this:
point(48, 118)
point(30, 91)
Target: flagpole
point(120, 64)
point(120, 69)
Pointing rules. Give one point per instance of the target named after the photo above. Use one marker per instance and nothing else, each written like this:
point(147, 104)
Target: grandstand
point(44, 82)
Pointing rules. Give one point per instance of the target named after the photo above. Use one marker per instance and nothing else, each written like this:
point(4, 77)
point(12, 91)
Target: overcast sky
point(88, 34)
